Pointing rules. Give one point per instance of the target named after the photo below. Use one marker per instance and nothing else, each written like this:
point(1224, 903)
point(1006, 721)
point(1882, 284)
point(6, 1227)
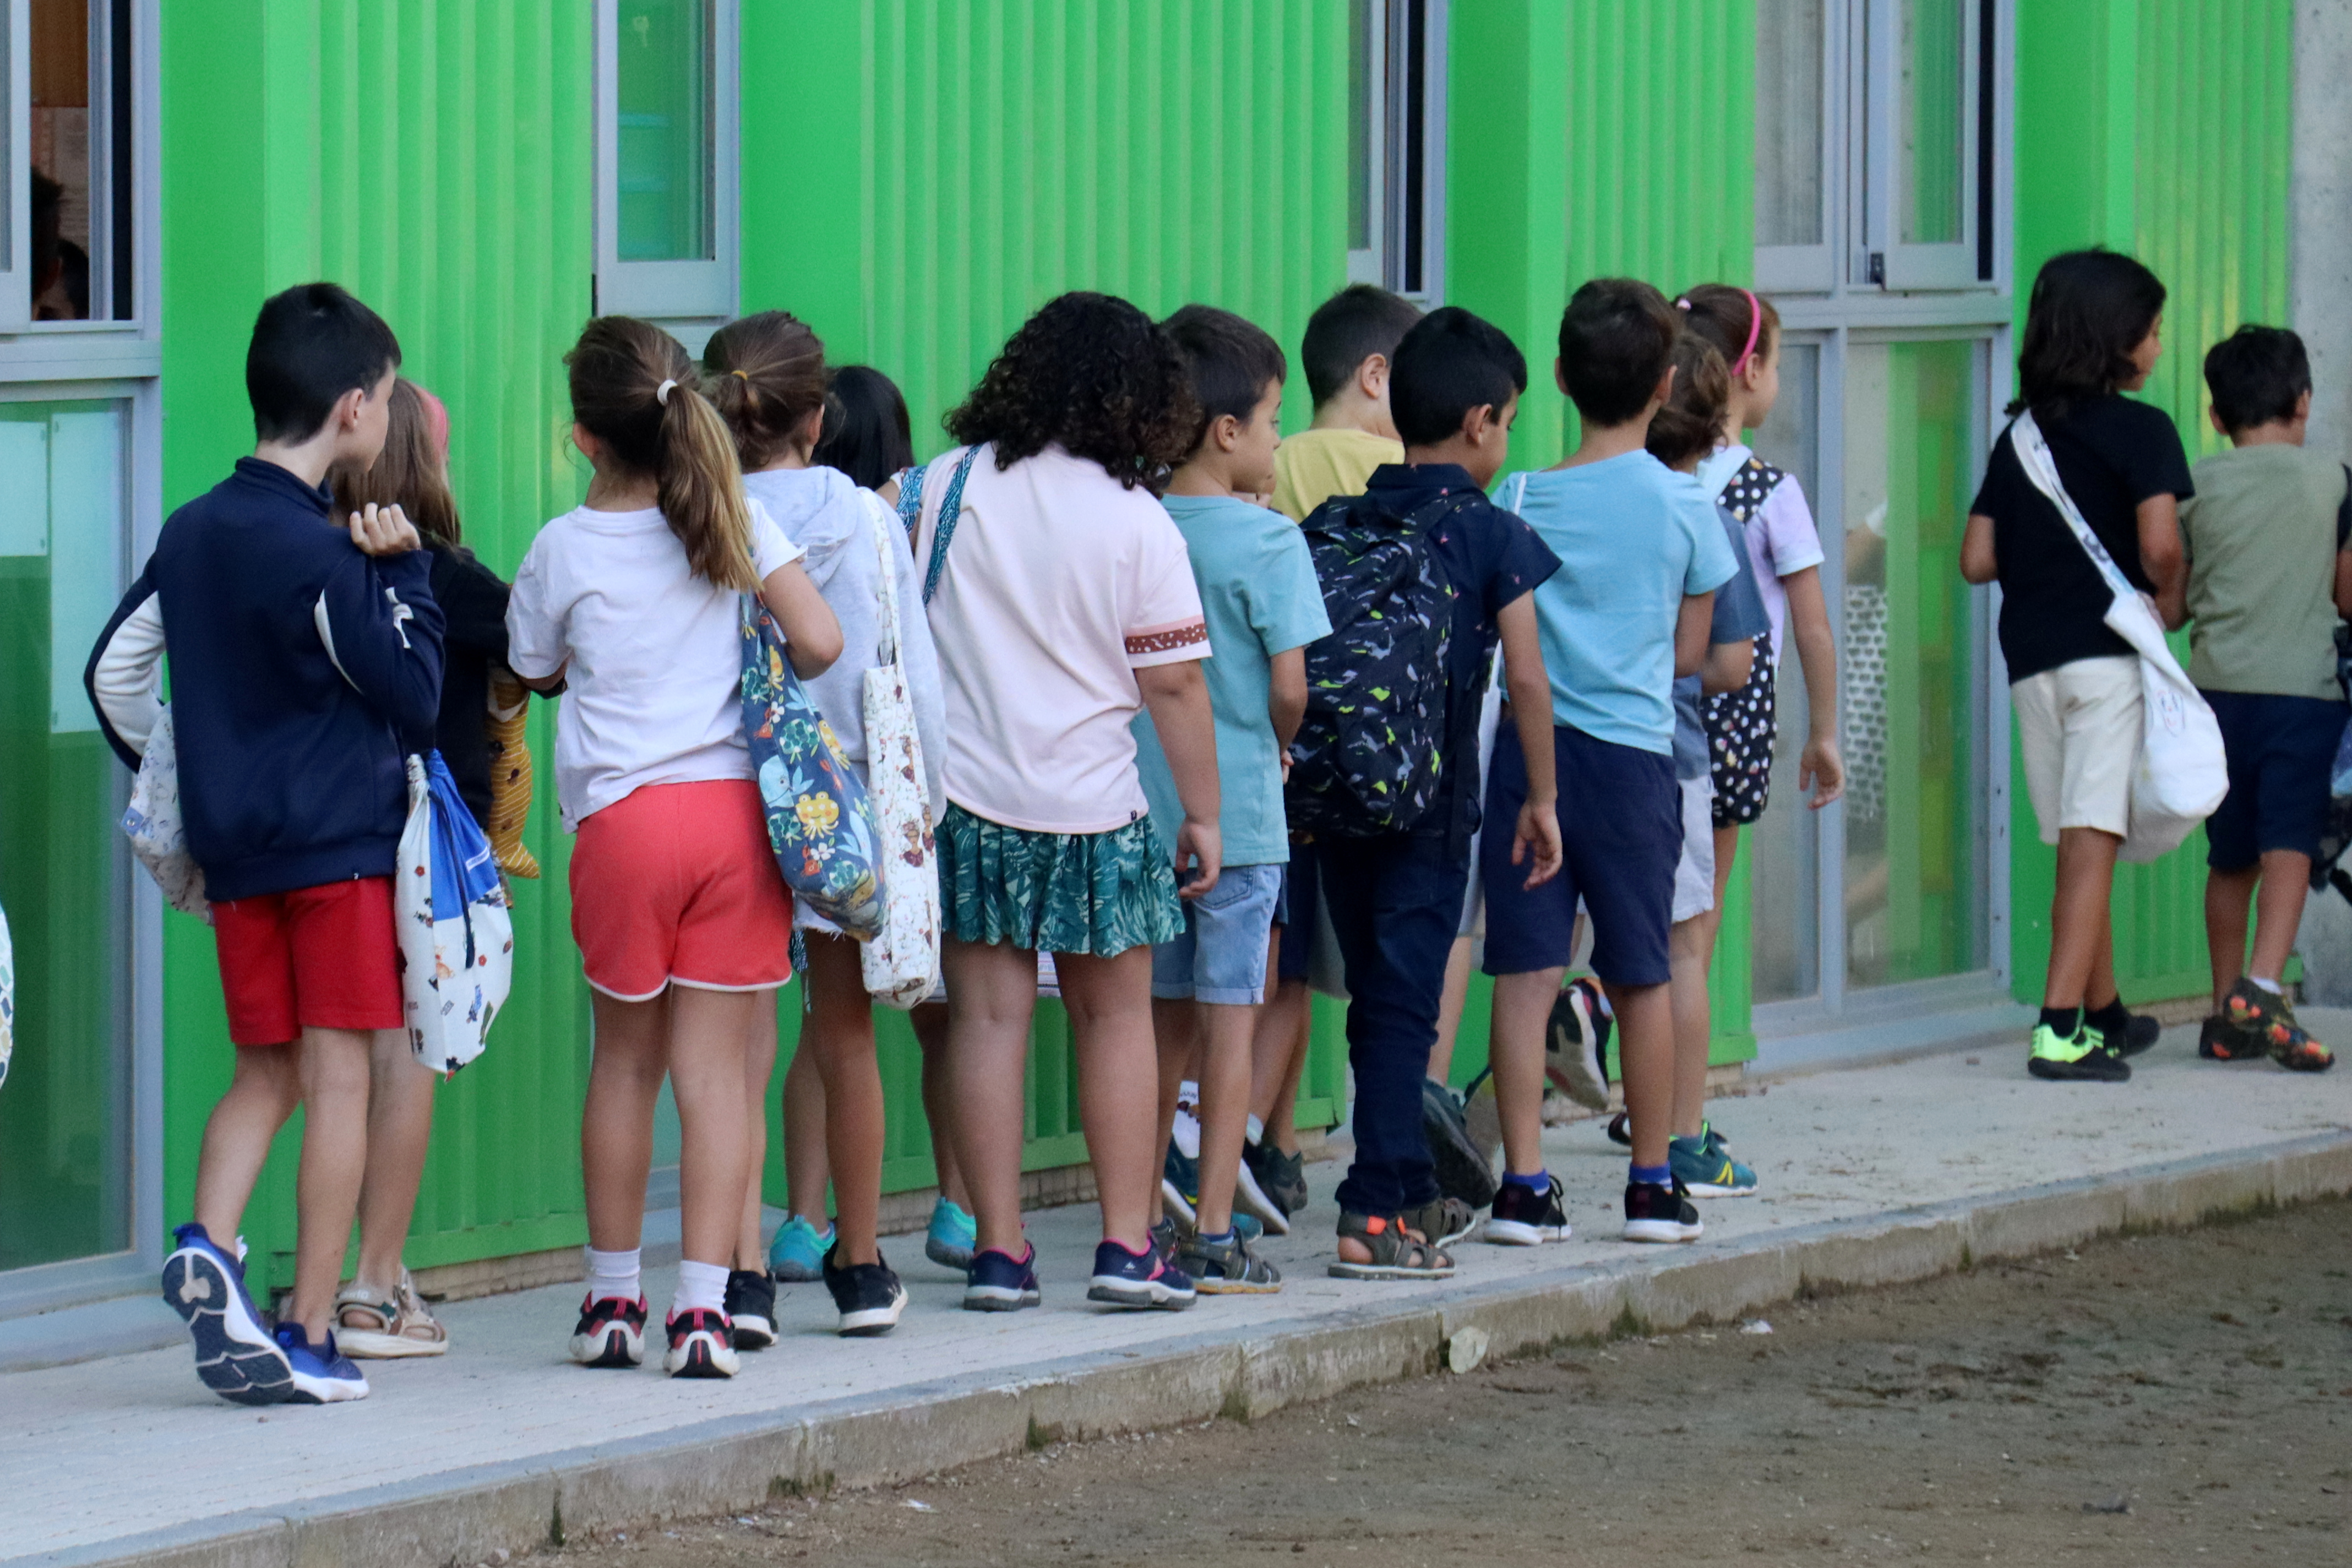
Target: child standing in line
point(684, 925)
point(1259, 596)
point(2268, 577)
point(1061, 601)
point(306, 664)
point(2091, 335)
point(1643, 556)
point(766, 375)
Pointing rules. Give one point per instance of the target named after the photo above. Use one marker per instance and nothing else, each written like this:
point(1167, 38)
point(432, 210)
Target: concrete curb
point(727, 1465)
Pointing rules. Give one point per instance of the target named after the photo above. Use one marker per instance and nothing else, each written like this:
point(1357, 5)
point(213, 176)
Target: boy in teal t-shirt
point(1259, 594)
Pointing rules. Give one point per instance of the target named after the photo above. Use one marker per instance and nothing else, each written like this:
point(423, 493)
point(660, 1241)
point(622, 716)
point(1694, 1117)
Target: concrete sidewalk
point(1872, 1176)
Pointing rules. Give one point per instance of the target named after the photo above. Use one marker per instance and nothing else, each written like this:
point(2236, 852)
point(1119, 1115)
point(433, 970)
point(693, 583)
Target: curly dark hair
point(1097, 376)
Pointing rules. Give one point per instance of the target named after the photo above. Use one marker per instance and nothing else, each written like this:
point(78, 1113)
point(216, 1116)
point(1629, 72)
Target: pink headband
point(1755, 326)
point(436, 422)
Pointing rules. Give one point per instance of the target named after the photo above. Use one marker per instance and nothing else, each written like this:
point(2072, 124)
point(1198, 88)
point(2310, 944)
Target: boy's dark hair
point(765, 374)
point(2256, 374)
point(2089, 310)
point(1350, 327)
point(1230, 360)
point(868, 433)
point(1692, 421)
point(311, 345)
point(1092, 373)
point(1449, 363)
point(1616, 338)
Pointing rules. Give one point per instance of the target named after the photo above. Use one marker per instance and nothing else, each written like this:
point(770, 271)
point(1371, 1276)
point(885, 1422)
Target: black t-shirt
point(474, 605)
point(2111, 454)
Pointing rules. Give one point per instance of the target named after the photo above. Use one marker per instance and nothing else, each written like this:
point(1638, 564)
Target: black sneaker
point(751, 1308)
point(1527, 1216)
point(1462, 1169)
point(1576, 1041)
point(2139, 1033)
point(700, 1345)
point(1653, 1213)
point(868, 1295)
point(1282, 1177)
point(2082, 1056)
point(610, 1332)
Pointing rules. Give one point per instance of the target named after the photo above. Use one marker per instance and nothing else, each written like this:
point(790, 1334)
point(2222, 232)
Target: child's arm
point(124, 675)
point(1978, 563)
point(1691, 626)
point(2344, 584)
point(1537, 829)
point(1177, 697)
point(2161, 557)
point(812, 635)
point(1285, 697)
point(1820, 768)
point(1728, 666)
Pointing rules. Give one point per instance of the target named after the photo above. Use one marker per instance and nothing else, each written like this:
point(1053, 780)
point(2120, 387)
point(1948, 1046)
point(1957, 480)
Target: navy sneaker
point(235, 1355)
point(1000, 1283)
point(1280, 1176)
point(1180, 1185)
point(323, 1375)
point(751, 1308)
point(868, 1295)
point(1124, 1278)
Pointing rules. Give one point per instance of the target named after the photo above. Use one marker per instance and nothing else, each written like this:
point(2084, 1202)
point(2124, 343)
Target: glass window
point(1363, 128)
point(666, 148)
point(77, 158)
point(1396, 118)
point(1932, 114)
point(1788, 202)
point(65, 1159)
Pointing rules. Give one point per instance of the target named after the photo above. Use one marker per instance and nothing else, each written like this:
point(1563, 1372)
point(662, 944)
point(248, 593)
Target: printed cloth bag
point(8, 998)
point(449, 913)
point(153, 825)
point(819, 820)
point(2182, 773)
point(510, 773)
point(902, 962)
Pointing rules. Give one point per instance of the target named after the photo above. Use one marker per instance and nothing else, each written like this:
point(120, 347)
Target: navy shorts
point(1621, 829)
point(1294, 912)
point(2282, 751)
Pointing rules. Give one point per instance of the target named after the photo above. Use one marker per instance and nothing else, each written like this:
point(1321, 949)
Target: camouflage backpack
point(1370, 752)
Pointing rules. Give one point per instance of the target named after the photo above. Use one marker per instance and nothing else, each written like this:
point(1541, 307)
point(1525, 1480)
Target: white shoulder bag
point(2182, 773)
point(154, 825)
point(902, 962)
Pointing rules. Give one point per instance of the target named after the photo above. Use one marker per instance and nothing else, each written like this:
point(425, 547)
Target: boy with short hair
point(2268, 576)
point(1643, 554)
point(306, 664)
point(1263, 606)
point(1420, 559)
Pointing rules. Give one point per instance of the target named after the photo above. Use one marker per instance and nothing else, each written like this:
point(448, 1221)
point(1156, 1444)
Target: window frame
point(1396, 221)
point(1880, 258)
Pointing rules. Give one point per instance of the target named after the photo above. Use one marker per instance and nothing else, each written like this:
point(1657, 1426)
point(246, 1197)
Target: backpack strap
point(951, 506)
point(910, 500)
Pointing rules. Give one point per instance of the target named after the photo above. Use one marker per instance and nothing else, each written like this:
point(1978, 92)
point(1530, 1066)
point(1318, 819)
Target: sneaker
point(1280, 1176)
point(2266, 1021)
point(1482, 1114)
point(868, 1295)
point(1124, 1278)
point(796, 1256)
point(1705, 1171)
point(1252, 1198)
point(1653, 1213)
point(610, 1332)
point(235, 1355)
point(1462, 1168)
point(1527, 1217)
point(1000, 1283)
point(323, 1375)
point(2219, 1040)
point(700, 1345)
point(1620, 1130)
point(1180, 1183)
point(2139, 1032)
point(1226, 1267)
point(371, 1326)
point(1576, 1044)
point(2083, 1056)
point(948, 1241)
point(1443, 1222)
point(751, 1308)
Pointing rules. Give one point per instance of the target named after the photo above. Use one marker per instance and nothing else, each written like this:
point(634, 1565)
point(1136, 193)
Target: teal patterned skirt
point(1099, 893)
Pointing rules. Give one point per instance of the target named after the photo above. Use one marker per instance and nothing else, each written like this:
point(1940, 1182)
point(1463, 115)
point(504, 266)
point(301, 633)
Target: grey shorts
point(1220, 956)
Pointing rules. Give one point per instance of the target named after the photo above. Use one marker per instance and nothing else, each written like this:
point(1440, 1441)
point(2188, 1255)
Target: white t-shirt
point(655, 692)
point(1781, 538)
point(1059, 585)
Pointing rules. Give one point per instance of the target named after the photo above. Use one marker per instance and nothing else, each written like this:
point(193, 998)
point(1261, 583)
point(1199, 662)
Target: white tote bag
point(2182, 773)
point(902, 961)
point(152, 823)
point(449, 914)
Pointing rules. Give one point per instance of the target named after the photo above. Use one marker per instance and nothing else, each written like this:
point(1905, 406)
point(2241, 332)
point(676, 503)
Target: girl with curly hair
point(1062, 602)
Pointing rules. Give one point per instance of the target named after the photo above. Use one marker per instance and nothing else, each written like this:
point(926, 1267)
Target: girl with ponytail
point(684, 925)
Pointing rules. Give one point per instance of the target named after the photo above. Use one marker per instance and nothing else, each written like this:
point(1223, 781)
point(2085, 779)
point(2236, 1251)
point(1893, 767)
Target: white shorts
point(1694, 872)
point(2078, 731)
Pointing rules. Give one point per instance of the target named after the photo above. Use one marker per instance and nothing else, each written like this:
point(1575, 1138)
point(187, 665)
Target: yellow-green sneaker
point(2083, 1056)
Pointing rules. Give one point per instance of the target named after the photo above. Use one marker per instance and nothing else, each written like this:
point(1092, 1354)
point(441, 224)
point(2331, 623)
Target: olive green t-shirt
point(2262, 537)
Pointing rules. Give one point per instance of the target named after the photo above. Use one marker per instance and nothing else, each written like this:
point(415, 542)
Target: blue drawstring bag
point(456, 932)
point(820, 822)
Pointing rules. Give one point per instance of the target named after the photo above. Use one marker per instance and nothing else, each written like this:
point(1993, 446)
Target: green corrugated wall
point(2163, 127)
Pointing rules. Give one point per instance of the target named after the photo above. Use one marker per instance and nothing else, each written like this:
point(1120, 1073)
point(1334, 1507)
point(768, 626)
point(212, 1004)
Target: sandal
point(1397, 1253)
point(372, 1327)
point(1443, 1222)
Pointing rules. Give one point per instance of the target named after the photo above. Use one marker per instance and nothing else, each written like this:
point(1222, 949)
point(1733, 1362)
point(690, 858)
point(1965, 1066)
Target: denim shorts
point(1220, 956)
point(2282, 751)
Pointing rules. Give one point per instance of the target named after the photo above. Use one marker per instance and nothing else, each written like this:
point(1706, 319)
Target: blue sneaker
point(952, 1234)
point(323, 1375)
point(797, 1254)
point(1124, 1278)
point(1706, 1170)
point(1180, 1185)
point(235, 1354)
point(1000, 1283)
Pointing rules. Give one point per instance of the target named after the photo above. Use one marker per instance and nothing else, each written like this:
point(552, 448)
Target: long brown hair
point(635, 389)
point(412, 472)
point(1687, 427)
point(766, 376)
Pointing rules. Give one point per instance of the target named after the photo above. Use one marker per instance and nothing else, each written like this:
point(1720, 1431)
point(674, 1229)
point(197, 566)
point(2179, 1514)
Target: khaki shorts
point(2078, 729)
point(1694, 872)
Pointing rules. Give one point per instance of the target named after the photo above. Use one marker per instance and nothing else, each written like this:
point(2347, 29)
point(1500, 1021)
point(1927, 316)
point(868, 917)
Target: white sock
point(613, 1274)
point(701, 1287)
point(1187, 1133)
point(2271, 986)
point(1257, 1129)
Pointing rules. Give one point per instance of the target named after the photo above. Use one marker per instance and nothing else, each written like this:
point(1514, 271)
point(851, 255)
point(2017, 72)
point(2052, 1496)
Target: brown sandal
point(1397, 1253)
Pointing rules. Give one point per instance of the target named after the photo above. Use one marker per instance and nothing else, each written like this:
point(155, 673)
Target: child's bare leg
point(617, 1129)
point(263, 1091)
point(1645, 1051)
point(840, 1029)
point(805, 1170)
point(1224, 1109)
point(1275, 1057)
point(710, 1036)
point(1176, 1036)
point(993, 991)
point(1449, 1008)
point(930, 1025)
point(2278, 911)
point(2229, 900)
point(399, 1134)
point(1687, 946)
point(1726, 855)
point(1293, 1071)
point(758, 1071)
point(334, 1073)
point(1515, 1051)
point(2080, 944)
point(1110, 1004)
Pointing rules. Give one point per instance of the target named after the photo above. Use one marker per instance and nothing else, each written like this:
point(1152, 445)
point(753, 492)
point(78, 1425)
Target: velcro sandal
point(1397, 1252)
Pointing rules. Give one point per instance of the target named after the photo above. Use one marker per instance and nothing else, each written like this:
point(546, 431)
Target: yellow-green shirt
point(2261, 532)
point(1313, 466)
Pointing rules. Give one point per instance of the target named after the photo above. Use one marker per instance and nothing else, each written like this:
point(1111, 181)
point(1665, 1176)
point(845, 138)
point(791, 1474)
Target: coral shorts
point(676, 885)
point(320, 958)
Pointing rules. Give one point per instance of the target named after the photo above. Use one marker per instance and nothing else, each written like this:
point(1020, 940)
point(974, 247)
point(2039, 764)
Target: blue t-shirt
point(1739, 617)
point(1634, 538)
point(1259, 596)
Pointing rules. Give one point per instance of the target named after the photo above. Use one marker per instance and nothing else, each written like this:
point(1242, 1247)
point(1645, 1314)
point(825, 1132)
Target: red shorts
point(675, 884)
point(319, 958)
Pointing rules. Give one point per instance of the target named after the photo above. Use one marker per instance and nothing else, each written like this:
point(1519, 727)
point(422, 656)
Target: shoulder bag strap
point(950, 506)
point(2033, 455)
point(887, 565)
point(910, 500)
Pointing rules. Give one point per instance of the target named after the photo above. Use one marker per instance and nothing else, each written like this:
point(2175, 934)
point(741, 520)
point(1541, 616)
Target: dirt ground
point(2162, 1399)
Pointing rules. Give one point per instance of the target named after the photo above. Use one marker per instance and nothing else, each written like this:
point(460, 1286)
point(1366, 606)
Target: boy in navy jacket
point(306, 664)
